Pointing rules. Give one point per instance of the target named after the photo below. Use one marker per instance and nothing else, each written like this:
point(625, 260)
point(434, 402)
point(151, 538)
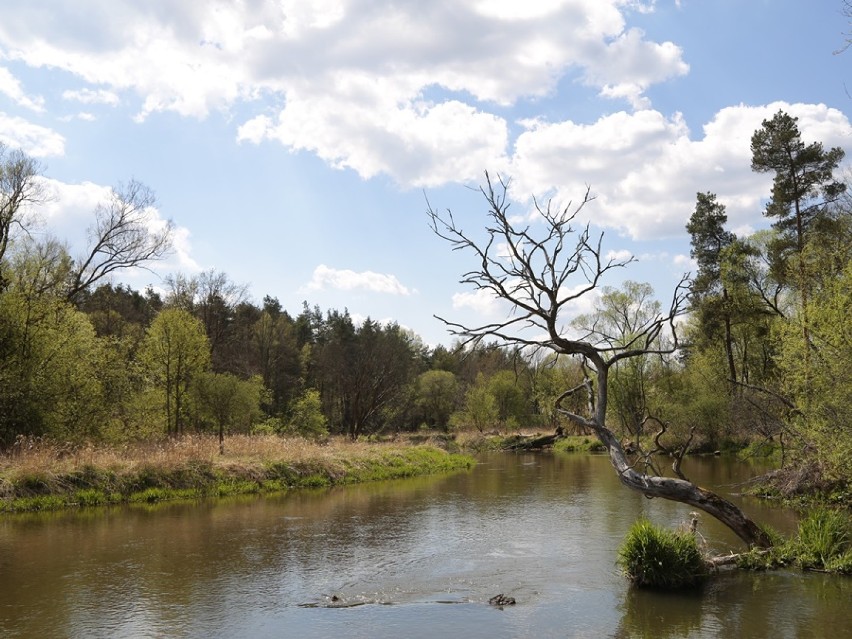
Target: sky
point(294, 143)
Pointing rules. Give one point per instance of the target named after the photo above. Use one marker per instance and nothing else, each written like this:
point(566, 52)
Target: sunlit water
point(416, 558)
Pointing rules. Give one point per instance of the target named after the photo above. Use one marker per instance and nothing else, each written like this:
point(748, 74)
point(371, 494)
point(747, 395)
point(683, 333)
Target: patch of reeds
point(824, 536)
point(653, 557)
point(40, 475)
point(823, 542)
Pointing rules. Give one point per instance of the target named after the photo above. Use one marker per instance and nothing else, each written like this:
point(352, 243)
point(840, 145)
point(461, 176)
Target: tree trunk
point(679, 490)
point(729, 342)
point(682, 491)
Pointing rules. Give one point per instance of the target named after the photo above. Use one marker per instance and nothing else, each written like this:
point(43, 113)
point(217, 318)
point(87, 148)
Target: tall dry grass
point(35, 455)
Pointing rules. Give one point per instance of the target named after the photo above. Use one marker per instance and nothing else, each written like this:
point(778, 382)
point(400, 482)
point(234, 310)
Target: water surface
point(413, 558)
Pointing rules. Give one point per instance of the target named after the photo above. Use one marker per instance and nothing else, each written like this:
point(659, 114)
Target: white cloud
point(255, 130)
point(91, 96)
point(33, 139)
point(628, 65)
point(410, 90)
point(11, 88)
point(619, 256)
point(646, 168)
point(481, 301)
point(681, 261)
point(347, 280)
point(415, 91)
point(417, 144)
point(85, 116)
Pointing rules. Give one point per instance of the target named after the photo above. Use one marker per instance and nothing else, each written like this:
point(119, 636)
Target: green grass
point(823, 542)
point(824, 536)
point(146, 481)
point(653, 557)
point(579, 444)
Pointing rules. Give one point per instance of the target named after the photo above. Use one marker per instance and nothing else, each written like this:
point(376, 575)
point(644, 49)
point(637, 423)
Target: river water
point(413, 558)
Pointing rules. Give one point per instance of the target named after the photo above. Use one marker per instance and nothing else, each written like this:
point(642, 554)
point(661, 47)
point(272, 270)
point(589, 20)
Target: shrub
point(653, 557)
point(824, 535)
point(579, 443)
point(307, 418)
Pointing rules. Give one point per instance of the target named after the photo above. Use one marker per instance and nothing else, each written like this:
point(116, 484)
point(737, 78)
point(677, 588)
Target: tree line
point(756, 349)
point(85, 358)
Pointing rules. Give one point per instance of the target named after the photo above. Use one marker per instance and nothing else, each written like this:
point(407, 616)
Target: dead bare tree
point(125, 235)
point(539, 270)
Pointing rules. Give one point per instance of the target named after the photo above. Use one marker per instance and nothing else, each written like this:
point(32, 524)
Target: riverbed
point(411, 558)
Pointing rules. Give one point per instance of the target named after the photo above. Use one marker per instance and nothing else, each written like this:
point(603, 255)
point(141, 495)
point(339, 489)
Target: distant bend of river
point(413, 558)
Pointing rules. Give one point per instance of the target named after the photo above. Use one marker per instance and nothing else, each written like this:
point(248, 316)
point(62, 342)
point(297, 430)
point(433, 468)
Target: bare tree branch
point(19, 188)
point(124, 236)
point(539, 269)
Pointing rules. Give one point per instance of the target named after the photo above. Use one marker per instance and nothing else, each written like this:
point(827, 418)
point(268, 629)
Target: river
point(413, 558)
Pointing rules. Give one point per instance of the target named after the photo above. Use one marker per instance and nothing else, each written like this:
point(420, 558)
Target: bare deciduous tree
point(124, 235)
point(540, 270)
point(19, 187)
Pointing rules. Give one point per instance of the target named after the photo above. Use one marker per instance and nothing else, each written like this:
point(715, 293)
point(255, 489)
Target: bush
point(270, 426)
point(579, 443)
point(307, 417)
point(825, 535)
point(653, 557)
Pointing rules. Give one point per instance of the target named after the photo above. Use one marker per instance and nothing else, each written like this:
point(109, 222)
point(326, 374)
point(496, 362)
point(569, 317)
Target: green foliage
point(49, 377)
point(175, 351)
point(825, 535)
point(306, 416)
point(802, 186)
point(365, 372)
point(510, 398)
point(480, 408)
point(228, 403)
point(620, 317)
point(653, 557)
point(436, 395)
point(578, 443)
point(91, 497)
point(549, 378)
point(841, 564)
point(818, 377)
point(823, 542)
point(269, 426)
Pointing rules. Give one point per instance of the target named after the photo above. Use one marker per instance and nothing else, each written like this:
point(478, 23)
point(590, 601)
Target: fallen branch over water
point(733, 559)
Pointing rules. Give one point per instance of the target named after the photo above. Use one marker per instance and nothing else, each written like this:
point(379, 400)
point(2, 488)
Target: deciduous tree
point(175, 351)
point(19, 188)
point(126, 234)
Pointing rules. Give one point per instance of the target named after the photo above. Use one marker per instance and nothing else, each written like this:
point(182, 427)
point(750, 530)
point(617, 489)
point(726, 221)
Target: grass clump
point(579, 444)
point(825, 536)
point(653, 557)
point(823, 543)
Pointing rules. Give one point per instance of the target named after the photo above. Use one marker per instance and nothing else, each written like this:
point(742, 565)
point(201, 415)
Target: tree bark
point(679, 490)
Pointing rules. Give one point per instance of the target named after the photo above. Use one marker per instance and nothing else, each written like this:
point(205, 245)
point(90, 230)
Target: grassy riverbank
point(43, 476)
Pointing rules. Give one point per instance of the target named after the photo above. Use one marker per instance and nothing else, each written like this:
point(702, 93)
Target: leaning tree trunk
point(679, 490)
point(683, 491)
point(539, 279)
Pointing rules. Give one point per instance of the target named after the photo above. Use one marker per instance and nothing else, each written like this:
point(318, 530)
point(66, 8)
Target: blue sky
point(293, 142)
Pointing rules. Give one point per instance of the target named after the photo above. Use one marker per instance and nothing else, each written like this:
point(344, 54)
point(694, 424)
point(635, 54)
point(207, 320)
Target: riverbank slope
point(38, 475)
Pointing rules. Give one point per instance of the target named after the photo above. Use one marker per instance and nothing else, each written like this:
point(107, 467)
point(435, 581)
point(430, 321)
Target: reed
point(653, 557)
point(41, 475)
